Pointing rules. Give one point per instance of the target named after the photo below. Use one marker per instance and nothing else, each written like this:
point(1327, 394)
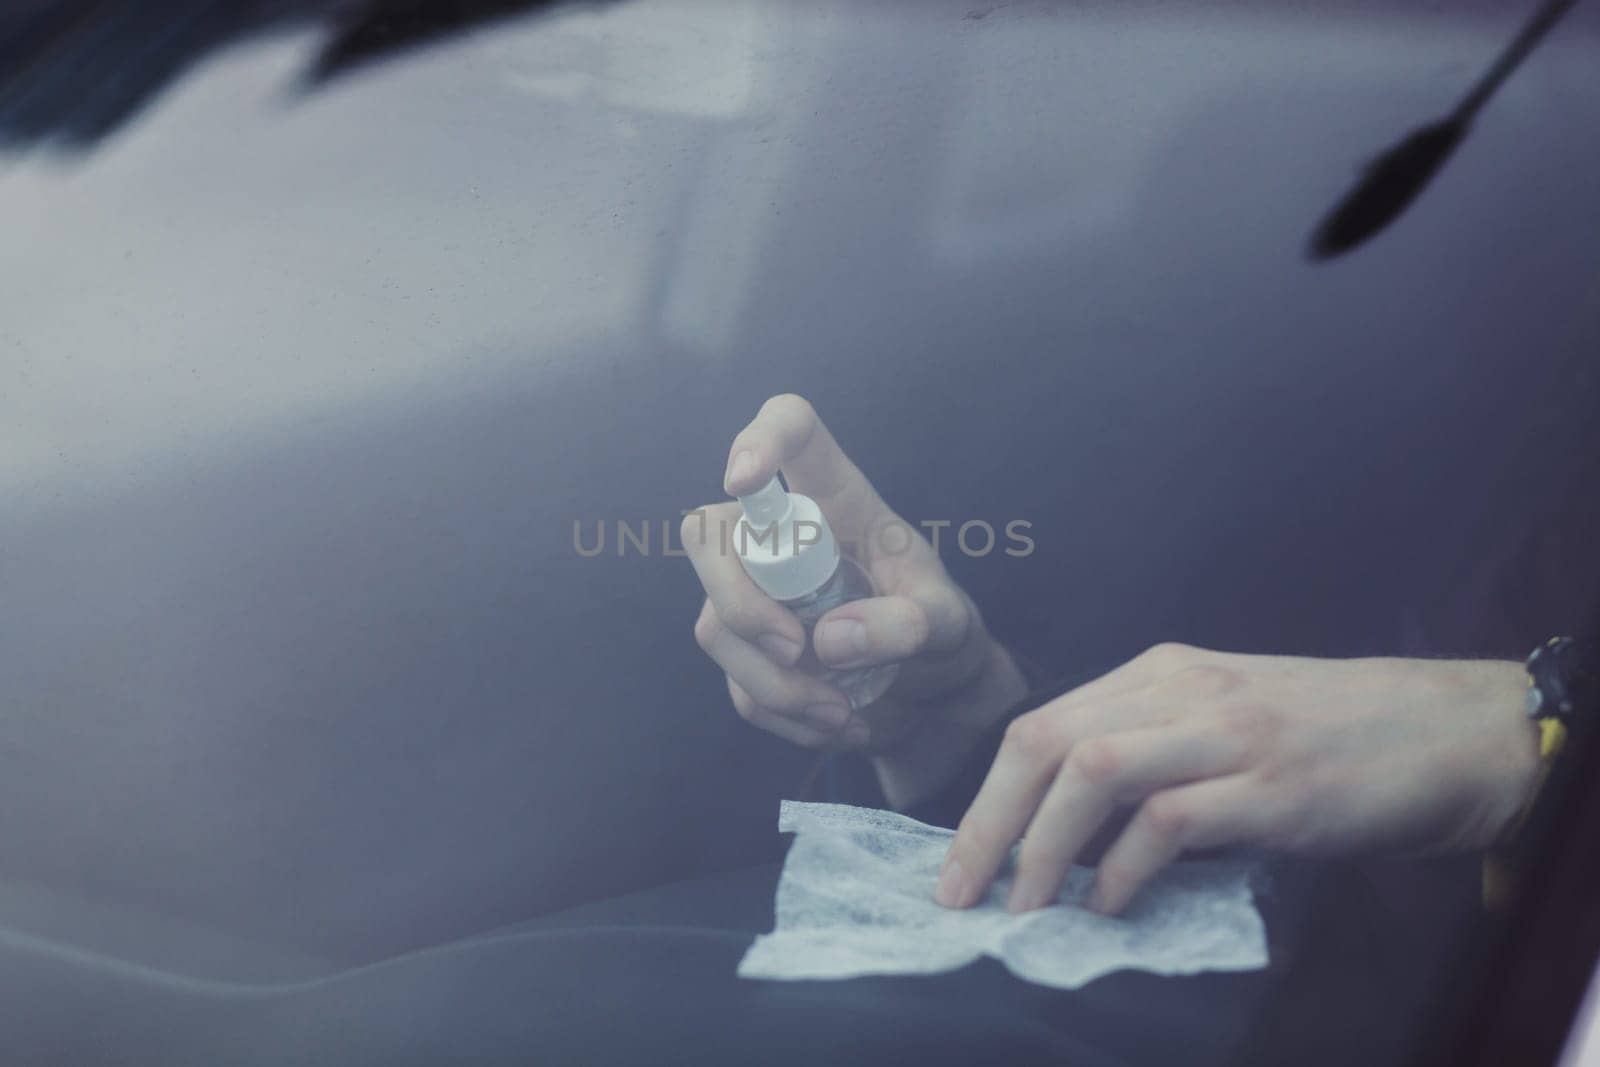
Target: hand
point(954, 679)
point(1209, 749)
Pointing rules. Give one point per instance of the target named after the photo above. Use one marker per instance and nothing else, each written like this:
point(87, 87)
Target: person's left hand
point(1211, 749)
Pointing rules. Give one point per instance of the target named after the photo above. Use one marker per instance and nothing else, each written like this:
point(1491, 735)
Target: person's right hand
point(954, 680)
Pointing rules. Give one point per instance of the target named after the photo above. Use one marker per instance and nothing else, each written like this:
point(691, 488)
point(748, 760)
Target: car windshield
point(362, 360)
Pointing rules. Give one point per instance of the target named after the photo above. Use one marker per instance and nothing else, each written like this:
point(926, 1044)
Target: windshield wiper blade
point(1394, 179)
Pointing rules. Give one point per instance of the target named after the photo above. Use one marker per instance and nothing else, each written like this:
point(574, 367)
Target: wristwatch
point(1554, 677)
point(1559, 700)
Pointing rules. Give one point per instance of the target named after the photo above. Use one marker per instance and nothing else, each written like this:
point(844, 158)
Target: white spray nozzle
point(766, 505)
point(784, 542)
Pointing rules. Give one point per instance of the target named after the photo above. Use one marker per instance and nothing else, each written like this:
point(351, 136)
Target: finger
point(1035, 745)
point(793, 730)
point(1220, 811)
point(780, 689)
point(786, 433)
point(889, 629)
point(801, 731)
point(738, 602)
point(1028, 759)
point(1102, 774)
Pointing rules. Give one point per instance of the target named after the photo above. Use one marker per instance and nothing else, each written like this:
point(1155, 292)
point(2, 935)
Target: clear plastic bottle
point(862, 685)
point(787, 548)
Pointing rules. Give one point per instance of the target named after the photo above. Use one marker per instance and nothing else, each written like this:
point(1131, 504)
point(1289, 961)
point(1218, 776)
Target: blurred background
point(322, 324)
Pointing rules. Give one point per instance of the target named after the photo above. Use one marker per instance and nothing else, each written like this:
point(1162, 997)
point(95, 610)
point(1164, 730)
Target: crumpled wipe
point(856, 898)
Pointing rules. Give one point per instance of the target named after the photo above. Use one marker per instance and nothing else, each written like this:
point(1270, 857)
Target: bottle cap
point(784, 543)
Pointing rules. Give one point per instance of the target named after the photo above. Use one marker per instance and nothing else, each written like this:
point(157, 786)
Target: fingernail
point(1026, 895)
point(740, 467)
point(828, 716)
point(840, 640)
point(856, 733)
point(952, 888)
point(782, 649)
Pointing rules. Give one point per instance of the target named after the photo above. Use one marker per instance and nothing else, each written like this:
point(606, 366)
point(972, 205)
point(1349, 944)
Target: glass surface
point(323, 328)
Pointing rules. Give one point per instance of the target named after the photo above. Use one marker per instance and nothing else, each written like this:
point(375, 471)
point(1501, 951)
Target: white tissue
point(856, 898)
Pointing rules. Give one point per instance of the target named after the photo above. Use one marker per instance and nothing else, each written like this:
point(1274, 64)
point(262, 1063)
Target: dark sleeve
point(946, 807)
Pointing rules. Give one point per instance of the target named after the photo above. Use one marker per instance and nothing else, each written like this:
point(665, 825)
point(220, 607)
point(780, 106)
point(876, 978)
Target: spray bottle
point(788, 550)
